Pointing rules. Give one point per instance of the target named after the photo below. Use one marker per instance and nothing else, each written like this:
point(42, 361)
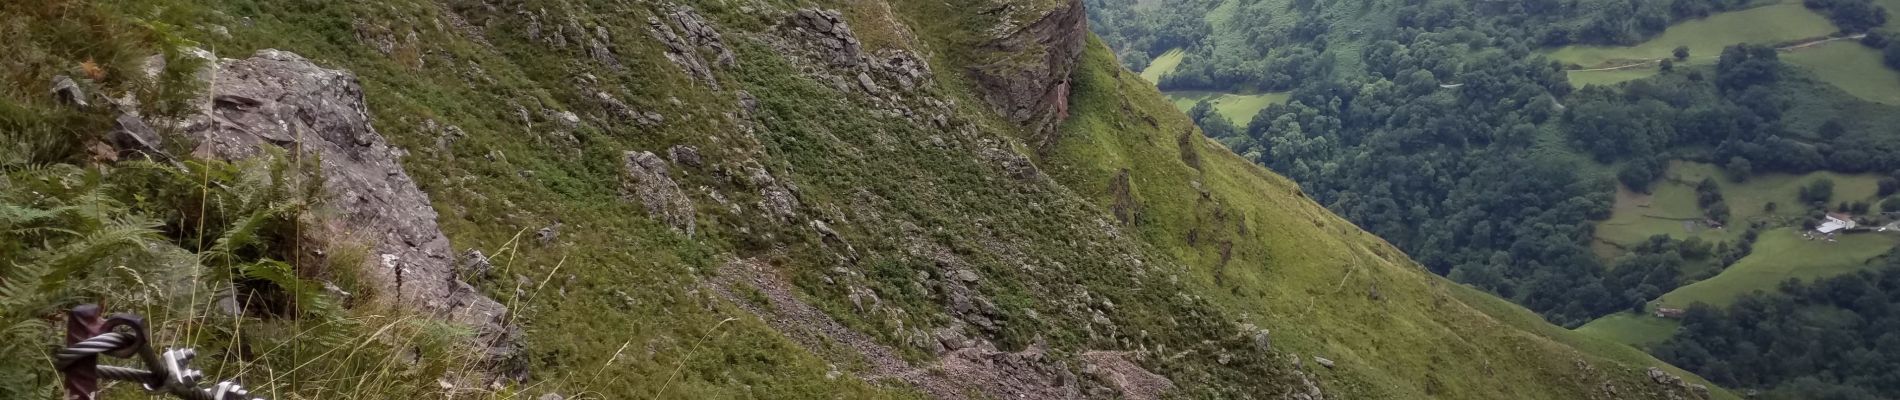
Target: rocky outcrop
point(1132, 381)
point(831, 36)
point(130, 133)
point(279, 100)
point(649, 181)
point(1673, 383)
point(690, 49)
point(827, 40)
point(1032, 373)
point(68, 92)
point(1026, 75)
point(777, 198)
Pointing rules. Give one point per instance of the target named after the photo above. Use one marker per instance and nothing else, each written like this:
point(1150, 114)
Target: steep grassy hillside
point(767, 200)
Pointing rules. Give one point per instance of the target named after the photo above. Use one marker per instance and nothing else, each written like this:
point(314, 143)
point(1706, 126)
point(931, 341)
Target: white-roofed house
point(1835, 222)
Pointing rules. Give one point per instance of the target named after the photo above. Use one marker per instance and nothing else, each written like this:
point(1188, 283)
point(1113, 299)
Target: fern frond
point(247, 231)
point(13, 215)
point(308, 294)
point(76, 256)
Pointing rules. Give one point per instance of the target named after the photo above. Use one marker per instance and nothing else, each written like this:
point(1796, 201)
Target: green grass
point(1238, 108)
point(1517, 316)
point(1611, 77)
point(1771, 24)
point(1893, 8)
point(1163, 65)
point(1706, 37)
point(1781, 254)
point(1855, 69)
point(1635, 217)
point(1636, 330)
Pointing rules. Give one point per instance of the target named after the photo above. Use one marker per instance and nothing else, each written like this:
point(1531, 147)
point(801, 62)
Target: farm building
point(1835, 222)
point(1666, 312)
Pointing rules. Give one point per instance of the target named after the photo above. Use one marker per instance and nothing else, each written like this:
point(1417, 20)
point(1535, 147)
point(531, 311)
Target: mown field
point(1705, 38)
point(1163, 65)
point(1636, 216)
point(1781, 254)
point(1893, 7)
point(1853, 68)
point(1239, 108)
point(1611, 77)
point(1639, 330)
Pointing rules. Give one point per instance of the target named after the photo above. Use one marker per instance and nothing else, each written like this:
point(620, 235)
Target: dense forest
point(1836, 338)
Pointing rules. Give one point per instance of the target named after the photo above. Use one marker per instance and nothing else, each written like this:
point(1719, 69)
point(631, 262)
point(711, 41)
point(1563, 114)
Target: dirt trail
point(1784, 49)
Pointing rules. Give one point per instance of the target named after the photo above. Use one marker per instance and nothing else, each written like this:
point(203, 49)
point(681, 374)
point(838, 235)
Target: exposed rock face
point(68, 92)
point(685, 49)
point(1131, 380)
point(1011, 162)
point(1028, 374)
point(823, 39)
point(685, 155)
point(130, 132)
point(597, 48)
point(1309, 389)
point(1262, 339)
point(622, 112)
point(650, 182)
point(1028, 77)
point(1672, 382)
point(776, 197)
point(833, 37)
point(279, 99)
point(476, 265)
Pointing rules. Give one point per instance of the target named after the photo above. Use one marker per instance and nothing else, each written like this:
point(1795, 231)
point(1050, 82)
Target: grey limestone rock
point(650, 181)
point(277, 99)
